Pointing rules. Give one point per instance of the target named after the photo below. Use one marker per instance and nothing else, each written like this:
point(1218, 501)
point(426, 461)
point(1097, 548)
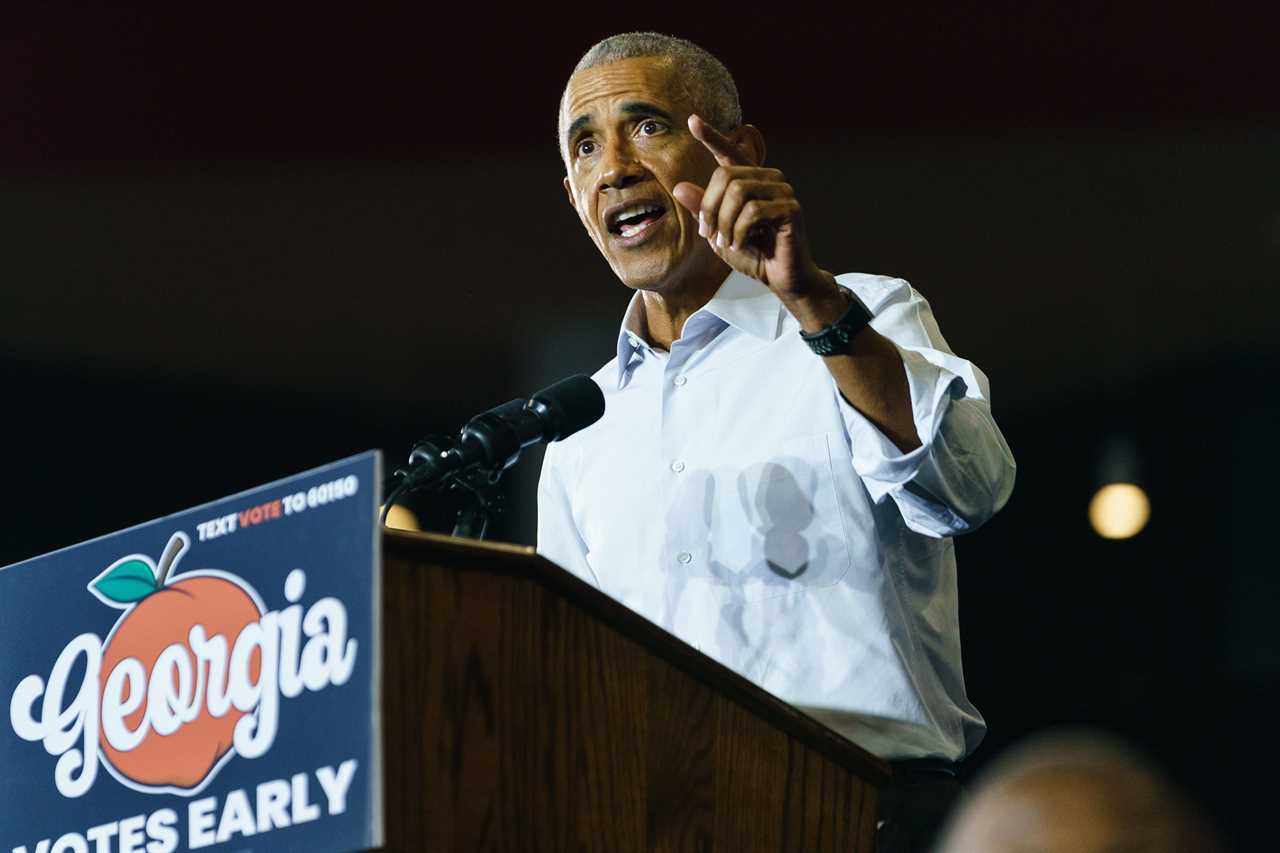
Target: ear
point(750, 143)
point(568, 190)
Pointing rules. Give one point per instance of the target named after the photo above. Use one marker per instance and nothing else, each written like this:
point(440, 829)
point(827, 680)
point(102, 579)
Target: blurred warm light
point(1119, 510)
point(402, 519)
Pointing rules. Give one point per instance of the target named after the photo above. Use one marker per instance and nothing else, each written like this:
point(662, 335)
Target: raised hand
point(750, 216)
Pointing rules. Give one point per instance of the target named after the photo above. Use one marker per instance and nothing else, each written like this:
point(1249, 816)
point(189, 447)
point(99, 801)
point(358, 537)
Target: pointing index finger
point(717, 143)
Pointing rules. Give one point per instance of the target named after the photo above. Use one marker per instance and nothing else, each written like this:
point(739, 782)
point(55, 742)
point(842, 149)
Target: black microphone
point(496, 438)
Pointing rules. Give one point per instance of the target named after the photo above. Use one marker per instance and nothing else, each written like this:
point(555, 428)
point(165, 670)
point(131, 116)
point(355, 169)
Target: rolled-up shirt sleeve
point(963, 472)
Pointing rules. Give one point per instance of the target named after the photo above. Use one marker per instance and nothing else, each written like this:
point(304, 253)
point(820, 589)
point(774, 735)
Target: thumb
point(689, 195)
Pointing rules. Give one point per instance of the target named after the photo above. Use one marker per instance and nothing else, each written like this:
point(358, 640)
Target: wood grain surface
point(524, 711)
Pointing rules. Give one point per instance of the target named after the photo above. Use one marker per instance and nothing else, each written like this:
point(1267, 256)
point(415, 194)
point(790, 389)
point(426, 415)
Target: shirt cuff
point(882, 466)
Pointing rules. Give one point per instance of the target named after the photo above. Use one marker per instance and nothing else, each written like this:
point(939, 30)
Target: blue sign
point(205, 681)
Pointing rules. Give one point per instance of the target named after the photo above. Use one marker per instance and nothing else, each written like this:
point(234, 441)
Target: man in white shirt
point(785, 453)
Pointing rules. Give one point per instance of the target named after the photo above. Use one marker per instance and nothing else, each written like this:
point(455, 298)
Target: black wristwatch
point(834, 339)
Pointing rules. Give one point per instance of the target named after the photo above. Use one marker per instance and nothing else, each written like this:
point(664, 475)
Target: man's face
point(626, 143)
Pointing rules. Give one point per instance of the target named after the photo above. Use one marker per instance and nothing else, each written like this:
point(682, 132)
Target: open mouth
point(635, 220)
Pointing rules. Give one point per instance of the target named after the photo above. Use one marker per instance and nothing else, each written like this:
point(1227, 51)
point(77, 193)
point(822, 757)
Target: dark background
point(239, 243)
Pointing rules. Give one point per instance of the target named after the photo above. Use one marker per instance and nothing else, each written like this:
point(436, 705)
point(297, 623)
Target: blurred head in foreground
point(1077, 792)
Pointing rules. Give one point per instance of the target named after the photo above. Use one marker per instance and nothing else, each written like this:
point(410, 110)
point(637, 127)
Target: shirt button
point(684, 557)
point(679, 381)
point(677, 466)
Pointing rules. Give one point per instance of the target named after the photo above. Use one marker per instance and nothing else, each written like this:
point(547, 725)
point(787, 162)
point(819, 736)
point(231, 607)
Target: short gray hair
point(708, 83)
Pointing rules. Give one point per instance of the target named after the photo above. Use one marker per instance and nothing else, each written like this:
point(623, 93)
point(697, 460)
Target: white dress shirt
point(733, 497)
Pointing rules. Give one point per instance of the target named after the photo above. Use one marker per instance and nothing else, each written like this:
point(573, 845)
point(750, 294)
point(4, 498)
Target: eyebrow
point(643, 108)
point(628, 108)
point(577, 124)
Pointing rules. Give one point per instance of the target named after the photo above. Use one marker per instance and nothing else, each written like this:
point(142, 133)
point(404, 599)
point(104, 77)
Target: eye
point(585, 147)
point(649, 127)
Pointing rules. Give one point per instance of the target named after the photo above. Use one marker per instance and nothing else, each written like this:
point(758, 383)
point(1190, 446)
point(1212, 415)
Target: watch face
point(833, 342)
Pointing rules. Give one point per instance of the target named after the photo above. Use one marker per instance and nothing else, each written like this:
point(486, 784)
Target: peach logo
point(191, 674)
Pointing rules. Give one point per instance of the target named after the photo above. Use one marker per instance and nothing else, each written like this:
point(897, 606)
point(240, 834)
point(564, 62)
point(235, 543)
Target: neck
point(667, 308)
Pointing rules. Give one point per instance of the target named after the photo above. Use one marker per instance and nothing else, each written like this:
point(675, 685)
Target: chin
point(644, 276)
point(659, 269)
point(644, 282)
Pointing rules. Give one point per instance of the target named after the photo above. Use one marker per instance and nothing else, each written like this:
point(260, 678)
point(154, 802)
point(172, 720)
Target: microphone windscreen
point(573, 403)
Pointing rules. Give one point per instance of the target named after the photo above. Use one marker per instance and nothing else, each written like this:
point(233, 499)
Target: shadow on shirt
point(766, 528)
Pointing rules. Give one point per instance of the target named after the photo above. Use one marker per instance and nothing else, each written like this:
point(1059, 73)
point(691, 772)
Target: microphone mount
point(472, 465)
point(436, 464)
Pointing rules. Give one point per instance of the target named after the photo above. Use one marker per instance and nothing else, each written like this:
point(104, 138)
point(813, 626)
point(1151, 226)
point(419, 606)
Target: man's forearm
point(871, 376)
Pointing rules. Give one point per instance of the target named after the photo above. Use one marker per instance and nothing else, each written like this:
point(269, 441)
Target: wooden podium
point(524, 710)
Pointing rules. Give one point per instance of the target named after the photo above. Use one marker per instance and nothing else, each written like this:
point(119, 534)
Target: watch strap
point(834, 339)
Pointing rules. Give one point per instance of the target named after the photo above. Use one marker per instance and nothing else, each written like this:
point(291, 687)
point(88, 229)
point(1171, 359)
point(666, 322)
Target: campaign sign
point(207, 680)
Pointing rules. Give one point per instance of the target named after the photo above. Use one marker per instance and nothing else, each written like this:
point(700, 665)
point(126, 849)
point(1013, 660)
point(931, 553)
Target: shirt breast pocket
point(795, 531)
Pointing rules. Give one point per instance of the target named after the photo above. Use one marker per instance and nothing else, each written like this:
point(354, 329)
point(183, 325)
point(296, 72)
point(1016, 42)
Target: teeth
point(636, 210)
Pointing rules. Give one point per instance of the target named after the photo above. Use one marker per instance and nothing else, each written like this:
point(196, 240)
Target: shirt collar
point(742, 302)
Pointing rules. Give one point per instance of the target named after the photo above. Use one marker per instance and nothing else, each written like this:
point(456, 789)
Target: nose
point(620, 167)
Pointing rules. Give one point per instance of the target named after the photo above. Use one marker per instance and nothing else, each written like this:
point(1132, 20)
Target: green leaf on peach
point(131, 581)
